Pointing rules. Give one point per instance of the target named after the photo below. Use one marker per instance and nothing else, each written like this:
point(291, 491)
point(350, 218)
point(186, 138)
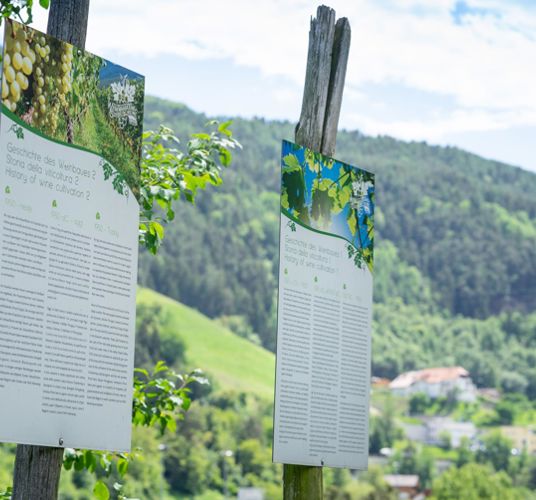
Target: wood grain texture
point(302, 482)
point(37, 473)
point(339, 62)
point(67, 20)
point(315, 91)
point(37, 468)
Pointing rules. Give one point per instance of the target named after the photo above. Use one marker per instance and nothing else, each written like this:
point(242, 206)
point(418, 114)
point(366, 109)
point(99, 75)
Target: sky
point(461, 73)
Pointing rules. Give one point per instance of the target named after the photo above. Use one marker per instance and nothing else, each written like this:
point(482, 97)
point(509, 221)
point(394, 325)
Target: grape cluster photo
point(69, 95)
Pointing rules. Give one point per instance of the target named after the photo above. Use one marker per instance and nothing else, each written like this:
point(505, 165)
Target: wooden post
point(37, 468)
point(67, 21)
point(329, 46)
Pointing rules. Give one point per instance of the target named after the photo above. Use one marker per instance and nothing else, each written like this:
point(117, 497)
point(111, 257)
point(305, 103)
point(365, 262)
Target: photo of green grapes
point(75, 97)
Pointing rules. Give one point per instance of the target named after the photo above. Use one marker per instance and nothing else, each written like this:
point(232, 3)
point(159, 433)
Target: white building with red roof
point(435, 383)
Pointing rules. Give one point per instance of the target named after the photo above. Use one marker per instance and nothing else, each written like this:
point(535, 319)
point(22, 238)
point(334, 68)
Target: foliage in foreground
point(168, 174)
point(454, 267)
point(161, 397)
point(21, 10)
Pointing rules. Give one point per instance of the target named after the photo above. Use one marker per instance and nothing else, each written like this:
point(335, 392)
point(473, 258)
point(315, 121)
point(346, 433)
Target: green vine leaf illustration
point(17, 130)
point(119, 182)
point(292, 226)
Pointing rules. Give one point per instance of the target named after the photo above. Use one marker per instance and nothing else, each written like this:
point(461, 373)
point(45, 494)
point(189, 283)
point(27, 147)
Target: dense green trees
point(407, 338)
point(475, 482)
point(495, 450)
point(455, 263)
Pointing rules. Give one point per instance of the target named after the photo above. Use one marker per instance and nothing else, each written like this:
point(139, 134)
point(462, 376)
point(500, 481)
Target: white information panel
point(68, 245)
point(324, 313)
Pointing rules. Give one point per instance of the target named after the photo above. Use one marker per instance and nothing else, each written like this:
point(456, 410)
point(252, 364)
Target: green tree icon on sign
point(292, 226)
point(7, 190)
point(54, 203)
point(98, 216)
point(17, 130)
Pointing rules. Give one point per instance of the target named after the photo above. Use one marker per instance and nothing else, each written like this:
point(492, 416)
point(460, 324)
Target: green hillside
point(231, 362)
point(455, 280)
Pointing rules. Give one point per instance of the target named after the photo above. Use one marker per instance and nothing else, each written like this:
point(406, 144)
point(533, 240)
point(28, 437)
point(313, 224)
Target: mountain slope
point(468, 224)
point(232, 362)
point(456, 240)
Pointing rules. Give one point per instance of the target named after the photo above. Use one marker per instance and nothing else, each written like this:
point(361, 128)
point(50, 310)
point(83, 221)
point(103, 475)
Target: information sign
point(70, 139)
point(324, 312)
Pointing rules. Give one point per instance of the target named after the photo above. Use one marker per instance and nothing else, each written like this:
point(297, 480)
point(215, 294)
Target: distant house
point(379, 382)
point(435, 383)
point(250, 494)
point(407, 485)
point(489, 394)
point(523, 438)
point(433, 430)
point(438, 427)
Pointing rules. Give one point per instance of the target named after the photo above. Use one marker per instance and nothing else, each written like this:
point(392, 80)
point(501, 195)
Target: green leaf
point(122, 466)
point(101, 491)
point(158, 229)
point(313, 160)
point(292, 163)
point(203, 135)
point(90, 460)
point(352, 222)
point(160, 367)
point(171, 425)
point(225, 157)
point(345, 194)
point(143, 371)
point(80, 463)
point(224, 128)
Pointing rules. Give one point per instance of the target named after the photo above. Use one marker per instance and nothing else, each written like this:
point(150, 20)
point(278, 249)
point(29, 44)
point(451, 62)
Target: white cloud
point(435, 130)
point(485, 64)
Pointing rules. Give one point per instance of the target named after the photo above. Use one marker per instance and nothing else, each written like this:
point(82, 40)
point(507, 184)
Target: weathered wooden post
point(329, 46)
point(37, 468)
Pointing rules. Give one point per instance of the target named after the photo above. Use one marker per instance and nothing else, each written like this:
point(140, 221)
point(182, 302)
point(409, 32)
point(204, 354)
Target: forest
point(455, 271)
point(456, 239)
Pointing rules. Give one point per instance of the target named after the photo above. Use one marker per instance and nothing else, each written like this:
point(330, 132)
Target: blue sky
point(443, 71)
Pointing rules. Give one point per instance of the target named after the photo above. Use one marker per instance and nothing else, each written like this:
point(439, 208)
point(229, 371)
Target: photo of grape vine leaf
point(331, 196)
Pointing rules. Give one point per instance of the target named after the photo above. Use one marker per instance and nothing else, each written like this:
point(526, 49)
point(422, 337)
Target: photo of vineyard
point(331, 196)
point(72, 96)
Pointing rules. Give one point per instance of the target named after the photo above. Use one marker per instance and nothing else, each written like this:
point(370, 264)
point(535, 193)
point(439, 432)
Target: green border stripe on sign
point(38, 132)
